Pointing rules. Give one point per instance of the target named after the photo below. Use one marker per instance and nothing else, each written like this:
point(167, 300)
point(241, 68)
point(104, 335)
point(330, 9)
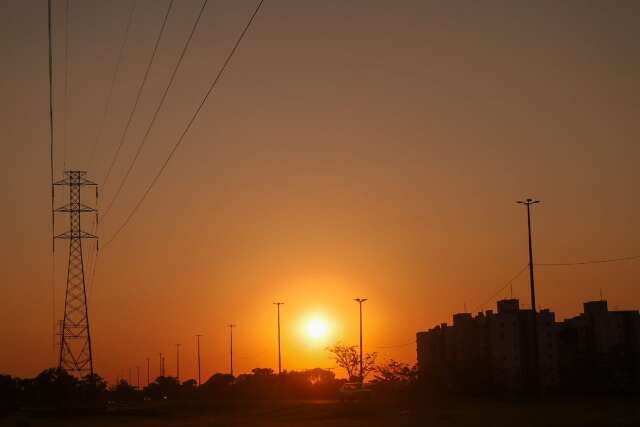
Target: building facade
point(494, 351)
point(600, 349)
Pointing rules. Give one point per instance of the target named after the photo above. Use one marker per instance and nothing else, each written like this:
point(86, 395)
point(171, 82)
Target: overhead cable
point(189, 124)
point(114, 78)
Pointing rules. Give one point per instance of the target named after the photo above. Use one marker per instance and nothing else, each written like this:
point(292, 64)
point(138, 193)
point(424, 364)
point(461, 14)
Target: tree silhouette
point(124, 392)
point(262, 371)
point(9, 393)
point(347, 357)
point(92, 387)
point(218, 383)
point(54, 386)
point(163, 388)
point(394, 372)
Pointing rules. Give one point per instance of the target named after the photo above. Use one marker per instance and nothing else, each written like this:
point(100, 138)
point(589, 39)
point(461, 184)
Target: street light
point(278, 304)
point(148, 370)
point(178, 362)
point(198, 341)
point(528, 203)
point(360, 301)
point(231, 326)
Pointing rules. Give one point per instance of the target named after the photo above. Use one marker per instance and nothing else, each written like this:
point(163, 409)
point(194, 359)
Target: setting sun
point(317, 328)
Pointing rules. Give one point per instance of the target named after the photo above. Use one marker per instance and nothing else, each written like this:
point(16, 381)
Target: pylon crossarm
point(68, 181)
point(75, 207)
point(76, 235)
point(74, 178)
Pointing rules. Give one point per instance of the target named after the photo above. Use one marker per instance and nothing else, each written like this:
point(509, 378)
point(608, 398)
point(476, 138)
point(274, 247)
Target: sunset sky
point(352, 149)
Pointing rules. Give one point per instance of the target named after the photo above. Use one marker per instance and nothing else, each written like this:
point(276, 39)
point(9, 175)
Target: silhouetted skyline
point(351, 148)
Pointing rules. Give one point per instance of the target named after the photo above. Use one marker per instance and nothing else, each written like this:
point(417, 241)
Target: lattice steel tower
point(75, 340)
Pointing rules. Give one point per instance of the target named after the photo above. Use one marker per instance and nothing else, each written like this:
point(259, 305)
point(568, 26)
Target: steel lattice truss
point(75, 341)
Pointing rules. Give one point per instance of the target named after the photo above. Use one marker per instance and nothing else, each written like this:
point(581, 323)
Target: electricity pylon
point(75, 340)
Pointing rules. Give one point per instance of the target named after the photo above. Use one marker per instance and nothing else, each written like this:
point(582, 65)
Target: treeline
point(261, 383)
point(52, 388)
point(57, 389)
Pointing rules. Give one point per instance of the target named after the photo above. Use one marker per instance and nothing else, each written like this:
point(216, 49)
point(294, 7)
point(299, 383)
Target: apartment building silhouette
point(493, 351)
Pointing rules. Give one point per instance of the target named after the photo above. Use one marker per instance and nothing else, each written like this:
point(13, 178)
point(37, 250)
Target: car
point(351, 392)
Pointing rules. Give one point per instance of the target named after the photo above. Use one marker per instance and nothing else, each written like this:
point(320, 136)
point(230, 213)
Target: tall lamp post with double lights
point(278, 304)
point(360, 301)
point(198, 349)
point(231, 326)
point(536, 366)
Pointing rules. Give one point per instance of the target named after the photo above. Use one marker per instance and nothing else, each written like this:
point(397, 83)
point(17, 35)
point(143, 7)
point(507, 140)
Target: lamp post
point(536, 367)
point(178, 362)
point(278, 304)
point(231, 326)
point(360, 301)
point(198, 348)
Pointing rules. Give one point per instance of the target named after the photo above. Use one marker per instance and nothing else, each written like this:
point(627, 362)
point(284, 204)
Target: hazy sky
point(353, 148)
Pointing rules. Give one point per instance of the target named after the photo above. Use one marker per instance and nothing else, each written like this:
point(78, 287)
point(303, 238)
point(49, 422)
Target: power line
point(560, 264)
point(599, 261)
point(91, 261)
point(513, 279)
point(66, 83)
point(94, 262)
point(159, 107)
point(190, 123)
point(107, 106)
point(133, 110)
point(51, 132)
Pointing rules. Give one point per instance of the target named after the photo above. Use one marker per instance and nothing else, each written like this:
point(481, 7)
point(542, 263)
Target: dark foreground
point(557, 412)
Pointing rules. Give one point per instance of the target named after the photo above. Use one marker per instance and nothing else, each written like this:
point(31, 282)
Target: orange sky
point(351, 149)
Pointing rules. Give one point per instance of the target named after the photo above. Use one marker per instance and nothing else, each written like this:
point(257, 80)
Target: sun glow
point(317, 328)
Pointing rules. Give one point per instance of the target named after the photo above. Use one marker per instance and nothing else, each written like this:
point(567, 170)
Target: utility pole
point(231, 326)
point(198, 346)
point(360, 301)
point(138, 377)
point(76, 356)
point(130, 381)
point(178, 362)
point(161, 366)
point(148, 370)
point(536, 367)
point(278, 304)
